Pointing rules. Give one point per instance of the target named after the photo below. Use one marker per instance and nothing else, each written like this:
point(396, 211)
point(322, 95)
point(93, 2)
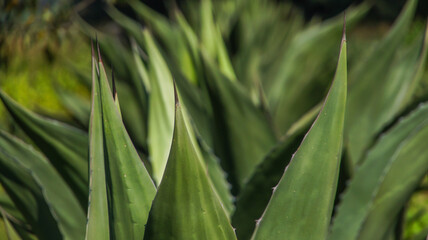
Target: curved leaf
point(65, 146)
point(373, 100)
point(43, 189)
point(385, 174)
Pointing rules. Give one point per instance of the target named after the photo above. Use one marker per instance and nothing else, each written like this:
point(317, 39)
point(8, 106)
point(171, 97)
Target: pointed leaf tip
point(99, 52)
point(177, 102)
point(344, 27)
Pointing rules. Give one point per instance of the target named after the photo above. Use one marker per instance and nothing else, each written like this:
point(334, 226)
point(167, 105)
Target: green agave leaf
point(386, 177)
point(78, 106)
point(193, 44)
point(132, 92)
point(171, 37)
point(294, 88)
point(242, 133)
point(31, 204)
point(43, 189)
point(142, 70)
point(9, 207)
point(130, 189)
point(198, 105)
point(132, 27)
point(373, 100)
point(97, 226)
point(10, 230)
point(161, 108)
point(186, 205)
point(307, 188)
point(264, 35)
point(212, 41)
point(255, 195)
point(65, 146)
point(218, 178)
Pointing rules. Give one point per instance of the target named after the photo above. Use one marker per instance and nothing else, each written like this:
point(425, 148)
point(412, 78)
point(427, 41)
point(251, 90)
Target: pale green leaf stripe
point(63, 205)
point(302, 203)
point(364, 191)
point(186, 206)
point(130, 188)
point(65, 146)
point(10, 230)
point(98, 214)
point(212, 41)
point(161, 109)
point(372, 92)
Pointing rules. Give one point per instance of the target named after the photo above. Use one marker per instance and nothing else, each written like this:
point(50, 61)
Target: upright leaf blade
point(308, 186)
point(161, 109)
point(186, 206)
point(130, 188)
point(98, 213)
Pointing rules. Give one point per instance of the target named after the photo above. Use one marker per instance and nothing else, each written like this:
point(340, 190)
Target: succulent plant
point(192, 141)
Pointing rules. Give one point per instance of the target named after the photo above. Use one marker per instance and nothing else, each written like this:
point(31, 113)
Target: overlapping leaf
point(119, 179)
point(64, 146)
point(377, 87)
point(242, 132)
point(380, 187)
point(39, 192)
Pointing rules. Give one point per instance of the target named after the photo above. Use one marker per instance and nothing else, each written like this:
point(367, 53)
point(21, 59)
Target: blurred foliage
point(38, 41)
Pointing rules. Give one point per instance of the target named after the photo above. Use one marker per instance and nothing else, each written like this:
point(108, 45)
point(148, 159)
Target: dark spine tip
point(93, 56)
point(344, 27)
point(113, 82)
point(177, 102)
point(99, 52)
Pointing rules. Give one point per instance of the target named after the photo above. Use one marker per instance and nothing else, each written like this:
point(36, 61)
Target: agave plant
point(190, 141)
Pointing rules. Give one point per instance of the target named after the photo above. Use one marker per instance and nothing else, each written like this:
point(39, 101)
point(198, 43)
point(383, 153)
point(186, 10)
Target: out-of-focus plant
point(35, 37)
point(227, 120)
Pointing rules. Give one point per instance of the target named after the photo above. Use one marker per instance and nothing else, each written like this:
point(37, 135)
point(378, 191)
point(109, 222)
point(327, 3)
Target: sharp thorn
point(177, 102)
point(344, 27)
point(99, 52)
